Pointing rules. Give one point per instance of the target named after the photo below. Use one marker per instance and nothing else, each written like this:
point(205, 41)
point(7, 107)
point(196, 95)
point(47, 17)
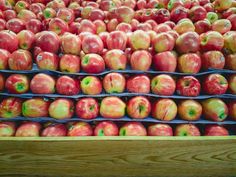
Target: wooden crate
point(118, 156)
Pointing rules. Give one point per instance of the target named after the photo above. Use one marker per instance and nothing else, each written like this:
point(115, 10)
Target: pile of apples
point(117, 58)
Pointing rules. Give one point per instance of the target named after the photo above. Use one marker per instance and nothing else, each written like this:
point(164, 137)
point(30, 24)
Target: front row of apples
point(138, 107)
point(105, 128)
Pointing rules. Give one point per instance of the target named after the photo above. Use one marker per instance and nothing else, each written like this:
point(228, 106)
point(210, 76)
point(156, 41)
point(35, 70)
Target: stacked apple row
point(138, 107)
point(106, 128)
point(162, 84)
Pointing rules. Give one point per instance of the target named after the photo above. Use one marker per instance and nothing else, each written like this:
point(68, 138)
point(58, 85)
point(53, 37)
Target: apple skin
point(28, 129)
point(187, 130)
point(79, 129)
point(215, 130)
point(115, 59)
point(222, 5)
point(124, 14)
point(2, 82)
point(222, 26)
point(112, 107)
point(189, 63)
point(230, 42)
point(42, 84)
point(138, 84)
point(215, 84)
point(87, 26)
point(91, 85)
point(26, 39)
point(133, 129)
point(139, 40)
point(69, 63)
point(100, 26)
point(189, 110)
point(232, 83)
point(35, 107)
point(160, 130)
point(163, 84)
point(215, 109)
point(47, 61)
point(106, 128)
point(165, 61)
point(141, 60)
point(164, 109)
point(54, 130)
point(66, 85)
point(48, 41)
point(15, 25)
point(184, 26)
point(87, 108)
point(211, 40)
point(93, 63)
point(212, 16)
point(58, 26)
point(66, 14)
point(188, 42)
point(92, 44)
point(188, 86)
point(4, 56)
point(17, 83)
point(213, 59)
point(178, 13)
point(202, 26)
point(112, 24)
point(8, 41)
point(61, 108)
point(125, 27)
point(114, 83)
point(20, 60)
point(7, 129)
point(2, 24)
point(26, 15)
point(10, 107)
point(197, 13)
point(161, 15)
point(163, 42)
point(138, 107)
point(232, 18)
point(230, 61)
point(232, 109)
point(34, 25)
point(70, 44)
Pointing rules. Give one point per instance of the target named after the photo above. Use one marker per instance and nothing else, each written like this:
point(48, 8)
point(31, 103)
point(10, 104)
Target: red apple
point(10, 107)
point(97, 14)
point(125, 27)
point(87, 108)
point(139, 40)
point(141, 60)
point(197, 13)
point(188, 86)
point(215, 130)
point(93, 63)
point(230, 61)
point(79, 129)
point(87, 26)
point(138, 84)
point(222, 26)
point(9, 14)
point(34, 25)
point(66, 85)
point(66, 14)
point(58, 26)
point(8, 41)
point(47, 61)
point(232, 109)
point(161, 15)
point(116, 40)
point(115, 59)
point(112, 107)
point(184, 26)
point(2, 24)
point(69, 63)
point(230, 42)
point(124, 14)
point(141, 4)
point(211, 40)
point(114, 83)
point(2, 82)
point(215, 109)
point(160, 130)
point(133, 129)
point(42, 84)
point(70, 44)
point(7, 129)
point(91, 85)
point(20, 60)
point(213, 59)
point(15, 25)
point(232, 83)
point(26, 15)
point(74, 27)
point(54, 130)
point(189, 63)
point(187, 130)
point(178, 14)
point(92, 44)
point(35, 107)
point(100, 26)
point(165, 61)
point(222, 5)
point(189, 110)
point(49, 13)
point(106, 128)
point(232, 18)
point(163, 42)
point(202, 26)
point(4, 56)
point(17, 83)
point(28, 129)
point(26, 39)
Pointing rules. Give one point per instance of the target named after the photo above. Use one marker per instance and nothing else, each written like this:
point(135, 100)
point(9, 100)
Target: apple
point(5, 5)
point(186, 130)
point(97, 14)
point(163, 84)
point(70, 44)
point(69, 63)
point(112, 24)
point(35, 107)
point(4, 56)
point(125, 27)
point(141, 4)
point(188, 42)
point(115, 59)
point(232, 83)
point(215, 130)
point(116, 40)
point(222, 5)
point(66, 85)
point(230, 61)
point(189, 63)
point(215, 84)
point(106, 128)
point(92, 44)
point(178, 14)
point(91, 85)
point(232, 18)
point(188, 86)
point(54, 130)
point(42, 84)
point(164, 109)
point(161, 15)
point(202, 26)
point(141, 60)
point(58, 26)
point(26, 39)
point(7, 129)
point(79, 129)
point(93, 63)
point(138, 84)
point(211, 40)
point(8, 41)
point(66, 14)
point(2, 82)
point(174, 3)
point(165, 61)
point(34, 25)
point(222, 26)
point(114, 83)
point(160, 130)
point(20, 60)
point(10, 107)
point(163, 42)
point(124, 14)
point(184, 26)
point(232, 109)
point(9, 14)
point(87, 108)
point(230, 11)
point(230, 42)
point(74, 27)
point(161, 28)
point(15, 25)
point(212, 16)
point(28, 129)
point(36, 8)
point(189, 110)
point(56, 4)
point(87, 26)
point(139, 40)
point(197, 13)
point(49, 13)
point(2, 24)
point(61, 108)
point(133, 129)
point(112, 107)
point(17, 83)
point(213, 59)
point(100, 26)
point(47, 61)
point(215, 109)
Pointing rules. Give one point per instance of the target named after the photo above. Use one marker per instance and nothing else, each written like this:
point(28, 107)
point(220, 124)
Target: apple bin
point(148, 86)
